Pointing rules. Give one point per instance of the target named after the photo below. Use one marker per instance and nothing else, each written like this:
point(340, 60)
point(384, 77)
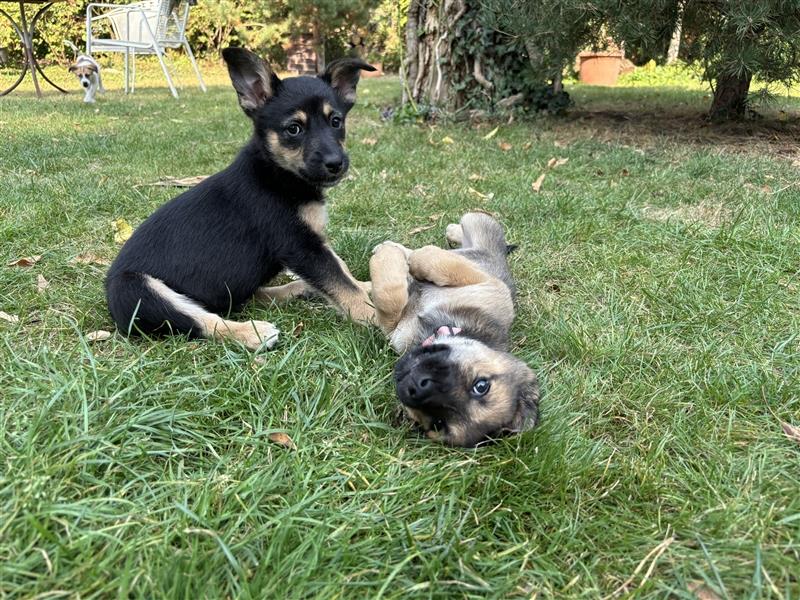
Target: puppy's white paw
point(256, 335)
point(454, 234)
point(388, 244)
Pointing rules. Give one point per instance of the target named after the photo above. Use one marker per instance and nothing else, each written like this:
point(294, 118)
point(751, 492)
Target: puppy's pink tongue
point(443, 331)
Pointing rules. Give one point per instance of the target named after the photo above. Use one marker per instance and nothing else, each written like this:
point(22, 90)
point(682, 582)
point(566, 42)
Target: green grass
point(658, 301)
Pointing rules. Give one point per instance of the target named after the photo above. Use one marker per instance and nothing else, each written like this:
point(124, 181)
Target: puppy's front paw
point(422, 262)
point(389, 246)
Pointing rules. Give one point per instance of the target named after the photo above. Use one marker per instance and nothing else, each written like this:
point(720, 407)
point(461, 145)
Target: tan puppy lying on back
point(449, 313)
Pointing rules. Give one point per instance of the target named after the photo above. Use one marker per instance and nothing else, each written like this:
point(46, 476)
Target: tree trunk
point(319, 46)
point(675, 42)
point(730, 97)
point(429, 70)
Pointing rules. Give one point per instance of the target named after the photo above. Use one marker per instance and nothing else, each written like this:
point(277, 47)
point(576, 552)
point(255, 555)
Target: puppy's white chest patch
point(315, 215)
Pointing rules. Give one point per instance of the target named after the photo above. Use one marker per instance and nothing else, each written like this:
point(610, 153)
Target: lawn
point(658, 301)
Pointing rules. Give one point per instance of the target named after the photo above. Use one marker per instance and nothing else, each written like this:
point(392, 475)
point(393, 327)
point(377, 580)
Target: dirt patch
point(705, 213)
point(648, 129)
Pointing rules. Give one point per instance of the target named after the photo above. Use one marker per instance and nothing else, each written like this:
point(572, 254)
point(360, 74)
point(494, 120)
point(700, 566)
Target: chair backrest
point(166, 19)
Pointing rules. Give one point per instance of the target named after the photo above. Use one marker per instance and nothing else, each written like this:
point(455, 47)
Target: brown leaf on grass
point(369, 141)
point(298, 329)
point(537, 185)
point(448, 140)
point(476, 177)
point(41, 283)
point(436, 217)
point(176, 182)
point(504, 146)
point(420, 229)
point(558, 144)
point(556, 162)
point(280, 438)
point(88, 258)
point(527, 145)
point(122, 230)
point(98, 336)
point(792, 432)
point(25, 261)
point(702, 591)
point(4, 316)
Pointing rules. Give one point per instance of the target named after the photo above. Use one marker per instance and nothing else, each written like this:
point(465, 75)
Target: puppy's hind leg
point(388, 271)
point(481, 231)
point(139, 302)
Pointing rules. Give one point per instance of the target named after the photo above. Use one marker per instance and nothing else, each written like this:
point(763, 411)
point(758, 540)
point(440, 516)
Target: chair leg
point(160, 54)
point(125, 69)
point(190, 54)
point(133, 72)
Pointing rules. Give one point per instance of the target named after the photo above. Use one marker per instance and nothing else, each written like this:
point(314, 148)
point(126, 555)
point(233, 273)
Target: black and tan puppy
point(208, 251)
point(449, 313)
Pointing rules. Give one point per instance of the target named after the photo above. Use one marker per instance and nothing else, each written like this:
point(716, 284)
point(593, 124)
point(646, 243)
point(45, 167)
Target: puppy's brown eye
point(294, 129)
point(481, 387)
point(336, 122)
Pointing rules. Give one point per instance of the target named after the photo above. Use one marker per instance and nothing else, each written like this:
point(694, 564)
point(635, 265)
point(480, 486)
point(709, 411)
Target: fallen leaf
point(556, 162)
point(176, 181)
point(41, 283)
point(298, 329)
point(527, 145)
point(436, 217)
point(7, 317)
point(282, 439)
point(420, 229)
point(504, 146)
point(476, 177)
point(98, 336)
point(792, 432)
point(492, 133)
point(702, 591)
point(369, 141)
point(448, 140)
point(25, 261)
point(88, 258)
point(558, 144)
point(537, 185)
point(488, 196)
point(122, 230)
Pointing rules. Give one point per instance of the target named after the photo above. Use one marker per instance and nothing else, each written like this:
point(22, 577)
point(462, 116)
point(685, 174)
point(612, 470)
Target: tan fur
point(283, 293)
point(315, 215)
point(300, 116)
point(388, 271)
point(327, 109)
point(288, 158)
point(82, 70)
point(444, 268)
point(253, 334)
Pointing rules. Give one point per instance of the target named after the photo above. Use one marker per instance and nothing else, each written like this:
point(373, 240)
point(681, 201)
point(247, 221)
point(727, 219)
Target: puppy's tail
point(75, 50)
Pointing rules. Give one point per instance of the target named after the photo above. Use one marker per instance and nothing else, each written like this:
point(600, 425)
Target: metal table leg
point(26, 32)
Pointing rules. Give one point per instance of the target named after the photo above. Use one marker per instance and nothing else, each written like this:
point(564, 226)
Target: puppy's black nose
point(417, 388)
point(85, 84)
point(334, 164)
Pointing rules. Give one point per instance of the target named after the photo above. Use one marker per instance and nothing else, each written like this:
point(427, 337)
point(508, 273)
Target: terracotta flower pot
point(600, 68)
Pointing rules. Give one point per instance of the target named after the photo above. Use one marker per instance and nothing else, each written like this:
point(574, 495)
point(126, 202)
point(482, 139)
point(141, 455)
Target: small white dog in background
point(87, 71)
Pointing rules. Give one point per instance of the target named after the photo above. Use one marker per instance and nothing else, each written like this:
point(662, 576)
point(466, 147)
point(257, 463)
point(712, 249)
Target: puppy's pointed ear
point(342, 75)
point(527, 415)
point(253, 80)
point(73, 68)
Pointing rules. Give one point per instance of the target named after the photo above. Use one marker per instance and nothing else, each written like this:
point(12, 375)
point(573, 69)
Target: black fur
point(218, 242)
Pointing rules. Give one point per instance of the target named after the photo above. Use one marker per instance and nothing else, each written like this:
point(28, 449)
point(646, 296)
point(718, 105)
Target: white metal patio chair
point(148, 27)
